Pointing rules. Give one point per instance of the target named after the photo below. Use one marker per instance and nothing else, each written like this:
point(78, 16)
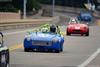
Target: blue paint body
point(44, 41)
point(85, 16)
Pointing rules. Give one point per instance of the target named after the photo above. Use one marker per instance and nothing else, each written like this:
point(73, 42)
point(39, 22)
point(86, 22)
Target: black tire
point(6, 63)
point(57, 51)
point(67, 33)
point(50, 50)
point(87, 34)
point(81, 34)
point(61, 48)
point(26, 49)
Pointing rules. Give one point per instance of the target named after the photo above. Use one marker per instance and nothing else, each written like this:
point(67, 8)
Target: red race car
point(74, 27)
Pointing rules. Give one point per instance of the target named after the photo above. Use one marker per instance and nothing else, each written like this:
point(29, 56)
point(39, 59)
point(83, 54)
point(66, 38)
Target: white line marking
point(93, 56)
point(17, 32)
point(14, 32)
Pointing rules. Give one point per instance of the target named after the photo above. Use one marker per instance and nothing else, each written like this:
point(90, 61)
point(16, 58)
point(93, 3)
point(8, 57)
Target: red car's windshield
point(73, 21)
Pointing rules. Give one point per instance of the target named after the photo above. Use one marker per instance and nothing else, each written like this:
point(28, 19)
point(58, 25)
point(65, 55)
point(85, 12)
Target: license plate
point(41, 43)
point(77, 27)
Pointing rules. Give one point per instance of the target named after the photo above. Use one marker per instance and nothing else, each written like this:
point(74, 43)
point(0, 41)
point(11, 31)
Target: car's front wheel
point(67, 33)
point(87, 34)
point(26, 49)
point(61, 48)
point(57, 51)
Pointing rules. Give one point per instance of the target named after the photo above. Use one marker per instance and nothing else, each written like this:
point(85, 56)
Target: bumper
point(77, 31)
point(55, 46)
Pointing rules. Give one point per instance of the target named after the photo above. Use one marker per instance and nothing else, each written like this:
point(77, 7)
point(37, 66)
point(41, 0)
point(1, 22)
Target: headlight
point(85, 27)
point(55, 40)
point(70, 26)
point(28, 38)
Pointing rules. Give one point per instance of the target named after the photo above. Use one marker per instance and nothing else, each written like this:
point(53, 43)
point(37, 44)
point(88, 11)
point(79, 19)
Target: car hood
point(42, 36)
point(86, 15)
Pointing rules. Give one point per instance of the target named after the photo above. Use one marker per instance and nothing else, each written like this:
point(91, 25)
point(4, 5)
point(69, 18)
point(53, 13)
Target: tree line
point(15, 5)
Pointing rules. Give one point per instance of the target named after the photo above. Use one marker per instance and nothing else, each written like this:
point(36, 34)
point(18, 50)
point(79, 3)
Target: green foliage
point(71, 3)
point(17, 3)
point(46, 1)
point(31, 4)
point(8, 8)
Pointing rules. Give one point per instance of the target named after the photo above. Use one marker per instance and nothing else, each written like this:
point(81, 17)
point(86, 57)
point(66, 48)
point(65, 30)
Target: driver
point(53, 28)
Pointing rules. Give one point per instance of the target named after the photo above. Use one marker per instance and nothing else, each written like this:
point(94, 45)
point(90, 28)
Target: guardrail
point(65, 9)
point(25, 23)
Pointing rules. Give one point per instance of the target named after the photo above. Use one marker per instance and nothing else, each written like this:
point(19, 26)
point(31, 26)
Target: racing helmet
point(53, 28)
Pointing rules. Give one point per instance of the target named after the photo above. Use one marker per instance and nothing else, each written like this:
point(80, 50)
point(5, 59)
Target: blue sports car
point(44, 41)
point(85, 16)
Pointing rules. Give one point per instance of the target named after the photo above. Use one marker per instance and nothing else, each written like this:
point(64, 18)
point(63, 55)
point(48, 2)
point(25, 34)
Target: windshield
point(73, 21)
point(85, 14)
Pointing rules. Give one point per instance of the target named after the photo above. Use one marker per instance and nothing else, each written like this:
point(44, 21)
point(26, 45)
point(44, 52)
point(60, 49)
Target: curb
point(98, 22)
point(25, 23)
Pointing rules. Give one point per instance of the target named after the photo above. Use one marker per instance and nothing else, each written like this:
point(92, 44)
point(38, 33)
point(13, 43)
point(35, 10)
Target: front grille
point(76, 30)
point(41, 43)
